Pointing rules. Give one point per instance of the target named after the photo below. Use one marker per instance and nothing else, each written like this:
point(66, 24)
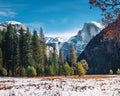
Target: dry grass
point(78, 77)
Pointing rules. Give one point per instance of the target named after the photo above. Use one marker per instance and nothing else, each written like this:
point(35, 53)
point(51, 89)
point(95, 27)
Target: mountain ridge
point(103, 51)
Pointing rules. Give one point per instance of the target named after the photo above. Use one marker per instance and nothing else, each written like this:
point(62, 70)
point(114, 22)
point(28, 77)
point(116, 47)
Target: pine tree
point(43, 56)
point(61, 62)
point(80, 69)
point(67, 69)
point(42, 37)
point(84, 64)
point(1, 58)
point(51, 70)
point(1, 54)
point(22, 47)
point(118, 71)
point(110, 71)
point(55, 63)
point(8, 49)
point(15, 52)
point(36, 47)
point(73, 57)
point(25, 48)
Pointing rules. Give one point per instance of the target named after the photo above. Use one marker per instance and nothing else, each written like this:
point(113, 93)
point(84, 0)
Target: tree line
point(24, 54)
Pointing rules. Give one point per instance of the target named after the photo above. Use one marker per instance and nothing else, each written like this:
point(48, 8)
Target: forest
point(25, 54)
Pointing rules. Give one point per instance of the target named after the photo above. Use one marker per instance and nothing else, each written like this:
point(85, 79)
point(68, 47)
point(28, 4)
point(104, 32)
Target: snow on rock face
point(56, 43)
point(54, 40)
point(49, 50)
point(60, 86)
point(98, 24)
point(80, 41)
point(15, 24)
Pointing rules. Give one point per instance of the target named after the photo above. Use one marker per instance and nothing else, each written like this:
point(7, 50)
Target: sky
point(58, 18)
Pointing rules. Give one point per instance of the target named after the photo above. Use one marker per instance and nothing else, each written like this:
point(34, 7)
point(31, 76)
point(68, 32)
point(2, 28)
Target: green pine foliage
point(24, 54)
point(110, 71)
point(73, 56)
point(80, 69)
point(43, 49)
point(26, 58)
point(3, 71)
point(51, 70)
point(31, 71)
point(61, 62)
point(71, 71)
point(36, 47)
point(1, 57)
point(23, 72)
point(67, 69)
point(118, 71)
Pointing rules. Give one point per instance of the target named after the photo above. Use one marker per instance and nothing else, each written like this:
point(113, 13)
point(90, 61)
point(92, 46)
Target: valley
point(89, 85)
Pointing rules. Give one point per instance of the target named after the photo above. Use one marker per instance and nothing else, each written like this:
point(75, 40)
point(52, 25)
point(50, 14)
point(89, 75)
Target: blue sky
point(57, 17)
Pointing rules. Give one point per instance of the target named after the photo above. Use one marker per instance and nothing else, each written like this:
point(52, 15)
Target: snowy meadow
point(60, 86)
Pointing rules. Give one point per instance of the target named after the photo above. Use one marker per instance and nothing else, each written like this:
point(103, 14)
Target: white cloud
point(64, 34)
point(34, 25)
point(8, 13)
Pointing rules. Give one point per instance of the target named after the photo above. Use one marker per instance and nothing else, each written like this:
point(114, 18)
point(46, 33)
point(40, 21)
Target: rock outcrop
point(103, 51)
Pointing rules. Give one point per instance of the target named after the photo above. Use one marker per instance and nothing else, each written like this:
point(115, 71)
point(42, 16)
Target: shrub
point(10, 73)
point(118, 71)
point(110, 71)
point(51, 70)
point(72, 71)
point(3, 71)
point(31, 71)
point(67, 69)
point(84, 64)
point(39, 70)
point(80, 69)
point(23, 72)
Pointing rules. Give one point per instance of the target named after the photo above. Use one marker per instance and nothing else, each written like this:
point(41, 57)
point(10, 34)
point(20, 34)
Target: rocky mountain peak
point(15, 24)
point(89, 30)
point(103, 51)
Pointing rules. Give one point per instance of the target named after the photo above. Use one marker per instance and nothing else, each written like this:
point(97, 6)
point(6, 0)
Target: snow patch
point(13, 22)
point(60, 86)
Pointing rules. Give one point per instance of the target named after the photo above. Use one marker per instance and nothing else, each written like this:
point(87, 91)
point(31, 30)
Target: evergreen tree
point(43, 56)
point(55, 63)
point(1, 57)
point(8, 49)
point(36, 47)
point(84, 64)
point(51, 70)
point(31, 71)
point(15, 60)
point(22, 72)
point(22, 47)
point(67, 69)
point(80, 69)
point(25, 48)
point(42, 37)
point(61, 62)
point(73, 57)
point(118, 71)
point(110, 71)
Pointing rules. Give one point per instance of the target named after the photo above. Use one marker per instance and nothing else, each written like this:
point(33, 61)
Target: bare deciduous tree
point(110, 9)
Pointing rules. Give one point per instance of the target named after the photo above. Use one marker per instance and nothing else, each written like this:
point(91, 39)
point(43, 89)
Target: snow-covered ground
point(60, 86)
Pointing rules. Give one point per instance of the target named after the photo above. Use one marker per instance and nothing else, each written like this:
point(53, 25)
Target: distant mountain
point(56, 43)
point(80, 41)
point(103, 51)
point(15, 24)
